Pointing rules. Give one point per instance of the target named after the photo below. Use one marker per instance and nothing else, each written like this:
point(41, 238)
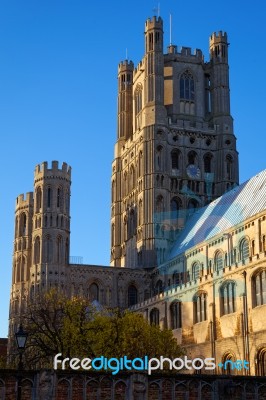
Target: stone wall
point(66, 385)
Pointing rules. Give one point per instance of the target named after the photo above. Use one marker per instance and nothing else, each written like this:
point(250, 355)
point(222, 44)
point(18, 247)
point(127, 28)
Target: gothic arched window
point(113, 235)
point(207, 163)
point(175, 154)
point(159, 158)
point(244, 249)
point(18, 269)
point(132, 295)
point(159, 287)
point(59, 199)
point(187, 86)
point(155, 316)
point(140, 164)
point(219, 263)
point(200, 307)
point(132, 178)
point(138, 106)
point(227, 298)
point(200, 369)
point(125, 188)
point(37, 249)
point(23, 269)
point(23, 224)
point(192, 205)
point(176, 317)
point(131, 224)
point(38, 199)
point(192, 157)
point(113, 190)
point(195, 271)
point(140, 213)
point(94, 292)
point(228, 363)
point(261, 362)
point(16, 227)
point(49, 197)
point(48, 246)
point(138, 100)
point(175, 206)
point(176, 278)
point(259, 288)
point(59, 250)
point(229, 167)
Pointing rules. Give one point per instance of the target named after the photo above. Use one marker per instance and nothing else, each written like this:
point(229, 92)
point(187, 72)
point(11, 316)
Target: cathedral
point(175, 150)
point(187, 242)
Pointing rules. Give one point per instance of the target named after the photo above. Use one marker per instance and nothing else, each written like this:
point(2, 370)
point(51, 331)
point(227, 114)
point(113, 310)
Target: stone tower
point(175, 150)
point(51, 225)
point(22, 253)
point(42, 234)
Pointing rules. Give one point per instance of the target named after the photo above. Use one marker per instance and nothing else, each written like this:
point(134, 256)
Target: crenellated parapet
point(42, 171)
point(24, 201)
point(52, 188)
point(125, 65)
point(154, 35)
point(23, 218)
point(219, 47)
point(153, 23)
point(217, 37)
point(178, 53)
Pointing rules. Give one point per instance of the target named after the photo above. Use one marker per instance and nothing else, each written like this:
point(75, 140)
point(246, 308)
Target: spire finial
point(170, 29)
point(157, 10)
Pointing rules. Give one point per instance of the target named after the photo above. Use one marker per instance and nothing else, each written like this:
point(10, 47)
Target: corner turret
point(125, 99)
point(154, 35)
point(154, 73)
point(219, 47)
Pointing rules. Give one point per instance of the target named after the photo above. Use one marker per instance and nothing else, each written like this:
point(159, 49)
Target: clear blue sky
point(58, 97)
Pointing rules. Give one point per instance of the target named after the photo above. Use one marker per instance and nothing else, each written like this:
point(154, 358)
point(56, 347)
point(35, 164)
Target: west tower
point(176, 148)
point(42, 240)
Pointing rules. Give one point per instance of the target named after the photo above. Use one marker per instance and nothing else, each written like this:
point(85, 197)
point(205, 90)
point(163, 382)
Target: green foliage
point(75, 328)
point(130, 334)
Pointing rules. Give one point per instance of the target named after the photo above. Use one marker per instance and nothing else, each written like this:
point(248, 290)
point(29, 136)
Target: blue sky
point(58, 97)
